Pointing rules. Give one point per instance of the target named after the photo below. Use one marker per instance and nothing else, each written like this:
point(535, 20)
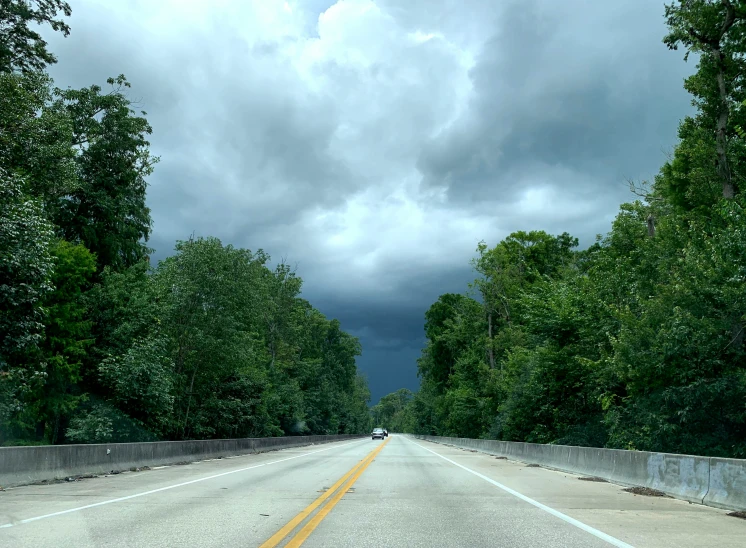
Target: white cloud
point(381, 237)
point(358, 88)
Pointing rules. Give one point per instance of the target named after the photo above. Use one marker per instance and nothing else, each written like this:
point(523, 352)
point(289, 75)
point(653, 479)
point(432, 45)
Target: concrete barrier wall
point(727, 484)
point(705, 480)
point(23, 465)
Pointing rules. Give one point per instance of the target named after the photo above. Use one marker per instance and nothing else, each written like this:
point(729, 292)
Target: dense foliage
point(95, 343)
point(638, 341)
point(394, 411)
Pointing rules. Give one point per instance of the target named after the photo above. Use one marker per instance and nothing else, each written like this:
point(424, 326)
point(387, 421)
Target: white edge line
point(136, 495)
point(572, 521)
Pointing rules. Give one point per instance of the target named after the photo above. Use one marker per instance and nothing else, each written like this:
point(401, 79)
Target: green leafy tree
point(508, 268)
point(26, 270)
point(124, 307)
point(86, 155)
point(139, 382)
point(357, 418)
point(107, 212)
point(99, 422)
point(394, 411)
point(713, 29)
point(22, 48)
point(67, 338)
point(203, 289)
point(36, 136)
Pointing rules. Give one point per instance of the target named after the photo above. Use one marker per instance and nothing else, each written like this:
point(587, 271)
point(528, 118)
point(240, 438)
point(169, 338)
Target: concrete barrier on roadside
point(24, 465)
point(727, 484)
point(705, 480)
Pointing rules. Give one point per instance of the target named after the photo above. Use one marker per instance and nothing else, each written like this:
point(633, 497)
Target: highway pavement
point(400, 492)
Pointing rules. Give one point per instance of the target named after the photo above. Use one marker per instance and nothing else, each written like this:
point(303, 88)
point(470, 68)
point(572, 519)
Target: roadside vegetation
point(636, 342)
point(99, 345)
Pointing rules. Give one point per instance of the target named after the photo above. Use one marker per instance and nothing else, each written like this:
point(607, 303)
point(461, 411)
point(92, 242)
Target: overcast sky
point(375, 143)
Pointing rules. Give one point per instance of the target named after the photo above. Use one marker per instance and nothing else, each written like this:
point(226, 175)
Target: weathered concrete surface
point(727, 484)
point(23, 465)
point(704, 480)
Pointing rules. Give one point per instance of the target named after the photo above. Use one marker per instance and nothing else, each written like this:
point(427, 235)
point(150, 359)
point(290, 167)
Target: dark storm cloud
point(551, 91)
point(389, 370)
point(272, 121)
point(392, 331)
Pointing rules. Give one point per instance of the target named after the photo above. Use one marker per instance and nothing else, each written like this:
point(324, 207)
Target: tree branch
point(730, 17)
point(714, 43)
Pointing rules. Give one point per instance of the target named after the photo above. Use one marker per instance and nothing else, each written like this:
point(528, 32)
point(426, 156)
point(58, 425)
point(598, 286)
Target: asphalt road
point(399, 493)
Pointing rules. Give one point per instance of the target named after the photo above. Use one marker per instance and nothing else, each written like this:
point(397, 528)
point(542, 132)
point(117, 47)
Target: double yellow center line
point(303, 534)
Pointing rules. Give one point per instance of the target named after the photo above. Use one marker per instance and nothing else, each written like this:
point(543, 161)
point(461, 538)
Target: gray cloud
point(375, 143)
point(553, 93)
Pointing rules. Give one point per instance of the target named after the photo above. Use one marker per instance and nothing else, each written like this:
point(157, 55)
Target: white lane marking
point(556, 513)
point(136, 495)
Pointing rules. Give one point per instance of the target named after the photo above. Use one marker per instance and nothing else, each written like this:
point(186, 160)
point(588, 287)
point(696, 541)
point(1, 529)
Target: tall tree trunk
point(714, 45)
point(189, 403)
point(41, 429)
point(489, 333)
point(721, 138)
point(56, 430)
point(272, 350)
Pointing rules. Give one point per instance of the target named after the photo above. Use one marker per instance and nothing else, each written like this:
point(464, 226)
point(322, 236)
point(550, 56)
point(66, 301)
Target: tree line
point(636, 342)
point(97, 344)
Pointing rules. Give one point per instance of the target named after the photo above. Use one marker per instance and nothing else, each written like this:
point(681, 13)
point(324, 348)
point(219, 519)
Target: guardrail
point(711, 481)
point(24, 465)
